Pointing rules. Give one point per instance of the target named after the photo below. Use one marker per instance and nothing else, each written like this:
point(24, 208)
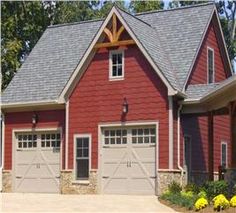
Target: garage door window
point(50, 140)
point(82, 158)
point(26, 141)
point(116, 136)
point(144, 135)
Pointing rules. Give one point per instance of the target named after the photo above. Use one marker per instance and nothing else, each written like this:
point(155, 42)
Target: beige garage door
point(128, 160)
point(37, 162)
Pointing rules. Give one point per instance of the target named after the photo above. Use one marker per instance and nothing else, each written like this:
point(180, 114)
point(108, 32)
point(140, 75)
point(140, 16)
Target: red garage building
point(122, 105)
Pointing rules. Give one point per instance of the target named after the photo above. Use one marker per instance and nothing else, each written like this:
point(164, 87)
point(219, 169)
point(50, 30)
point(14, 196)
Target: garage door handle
point(152, 177)
point(105, 176)
point(58, 176)
point(18, 176)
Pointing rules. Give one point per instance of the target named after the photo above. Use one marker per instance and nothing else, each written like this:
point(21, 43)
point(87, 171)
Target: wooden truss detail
point(114, 36)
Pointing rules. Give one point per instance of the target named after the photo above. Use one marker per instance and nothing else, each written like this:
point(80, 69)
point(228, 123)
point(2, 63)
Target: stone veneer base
point(165, 177)
point(69, 186)
point(6, 181)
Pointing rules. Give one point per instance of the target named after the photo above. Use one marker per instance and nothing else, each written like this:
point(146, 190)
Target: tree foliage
point(143, 6)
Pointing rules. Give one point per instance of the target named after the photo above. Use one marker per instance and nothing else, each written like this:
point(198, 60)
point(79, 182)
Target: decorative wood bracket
point(114, 36)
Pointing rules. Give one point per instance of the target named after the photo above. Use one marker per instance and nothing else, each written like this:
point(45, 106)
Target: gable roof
point(181, 31)
point(170, 38)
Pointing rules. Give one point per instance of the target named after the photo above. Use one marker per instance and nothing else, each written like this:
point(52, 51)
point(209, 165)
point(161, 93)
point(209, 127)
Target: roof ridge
point(177, 8)
point(134, 16)
point(76, 23)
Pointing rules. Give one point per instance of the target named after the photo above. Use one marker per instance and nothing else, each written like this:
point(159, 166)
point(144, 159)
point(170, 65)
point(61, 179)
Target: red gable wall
point(199, 72)
point(23, 120)
point(95, 99)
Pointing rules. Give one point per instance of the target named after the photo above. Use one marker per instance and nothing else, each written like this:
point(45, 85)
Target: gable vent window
point(210, 65)
point(116, 69)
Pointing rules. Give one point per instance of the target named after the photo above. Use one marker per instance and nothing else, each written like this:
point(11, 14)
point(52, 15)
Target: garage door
point(128, 160)
point(37, 162)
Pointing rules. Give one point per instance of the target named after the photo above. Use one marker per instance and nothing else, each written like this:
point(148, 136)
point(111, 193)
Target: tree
point(143, 6)
point(228, 23)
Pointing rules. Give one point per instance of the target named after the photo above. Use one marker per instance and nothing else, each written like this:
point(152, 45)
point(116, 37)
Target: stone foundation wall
point(165, 177)
point(68, 185)
point(6, 181)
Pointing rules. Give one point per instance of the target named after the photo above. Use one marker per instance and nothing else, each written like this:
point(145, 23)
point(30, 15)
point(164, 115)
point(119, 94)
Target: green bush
point(192, 187)
point(214, 188)
point(180, 199)
point(174, 187)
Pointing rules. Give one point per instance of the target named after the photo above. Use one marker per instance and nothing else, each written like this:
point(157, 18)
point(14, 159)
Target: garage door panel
point(131, 169)
point(37, 168)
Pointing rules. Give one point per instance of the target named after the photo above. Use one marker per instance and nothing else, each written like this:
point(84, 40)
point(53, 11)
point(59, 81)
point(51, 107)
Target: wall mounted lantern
point(125, 106)
point(34, 119)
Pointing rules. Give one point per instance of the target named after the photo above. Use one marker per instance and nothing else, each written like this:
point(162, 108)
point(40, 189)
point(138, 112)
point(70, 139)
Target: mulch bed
point(208, 209)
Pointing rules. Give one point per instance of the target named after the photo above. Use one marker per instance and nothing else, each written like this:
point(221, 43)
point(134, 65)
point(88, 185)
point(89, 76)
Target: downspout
point(178, 140)
point(2, 149)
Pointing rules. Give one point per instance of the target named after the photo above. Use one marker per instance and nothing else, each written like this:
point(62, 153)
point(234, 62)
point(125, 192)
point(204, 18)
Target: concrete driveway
point(19, 202)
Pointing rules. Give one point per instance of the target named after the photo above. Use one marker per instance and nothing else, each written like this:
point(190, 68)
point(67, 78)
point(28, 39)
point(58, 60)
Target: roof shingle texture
point(171, 38)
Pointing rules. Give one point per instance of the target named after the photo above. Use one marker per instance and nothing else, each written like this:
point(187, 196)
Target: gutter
point(178, 140)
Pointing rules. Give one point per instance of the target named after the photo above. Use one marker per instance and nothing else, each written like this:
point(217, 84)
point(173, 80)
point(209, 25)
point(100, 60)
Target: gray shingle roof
point(197, 91)
point(180, 31)
point(170, 37)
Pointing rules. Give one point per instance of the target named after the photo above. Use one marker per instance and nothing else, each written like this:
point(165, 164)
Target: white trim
point(67, 134)
point(2, 149)
point(89, 136)
point(15, 131)
point(213, 60)
point(171, 90)
point(124, 124)
point(226, 154)
point(171, 133)
point(111, 52)
point(25, 104)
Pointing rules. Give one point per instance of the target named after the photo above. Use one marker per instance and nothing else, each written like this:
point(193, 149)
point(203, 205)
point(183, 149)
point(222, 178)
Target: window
point(82, 154)
point(50, 140)
point(210, 65)
point(116, 64)
point(27, 141)
point(146, 135)
point(224, 154)
point(115, 136)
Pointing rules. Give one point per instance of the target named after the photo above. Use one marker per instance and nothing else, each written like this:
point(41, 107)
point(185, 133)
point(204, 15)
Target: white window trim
point(116, 78)
point(82, 181)
point(226, 156)
point(211, 49)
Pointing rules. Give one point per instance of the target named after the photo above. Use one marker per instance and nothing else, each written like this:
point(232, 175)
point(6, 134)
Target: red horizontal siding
point(199, 72)
point(23, 120)
point(197, 127)
point(95, 99)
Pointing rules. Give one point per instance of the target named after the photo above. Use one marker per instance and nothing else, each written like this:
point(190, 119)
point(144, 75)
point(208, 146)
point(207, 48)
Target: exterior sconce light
point(125, 106)
point(34, 119)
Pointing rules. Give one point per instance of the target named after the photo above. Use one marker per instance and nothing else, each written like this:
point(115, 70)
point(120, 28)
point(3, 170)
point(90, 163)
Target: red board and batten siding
point(196, 126)
point(23, 120)
point(95, 100)
point(199, 72)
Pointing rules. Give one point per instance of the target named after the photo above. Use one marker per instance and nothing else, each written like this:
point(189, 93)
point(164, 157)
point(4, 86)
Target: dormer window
point(116, 70)
point(210, 66)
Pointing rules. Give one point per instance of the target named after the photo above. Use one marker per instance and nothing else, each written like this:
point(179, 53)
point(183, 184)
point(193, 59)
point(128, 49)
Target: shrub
point(201, 203)
point(202, 194)
point(192, 187)
point(220, 202)
point(187, 195)
point(233, 201)
point(180, 199)
point(213, 188)
point(174, 187)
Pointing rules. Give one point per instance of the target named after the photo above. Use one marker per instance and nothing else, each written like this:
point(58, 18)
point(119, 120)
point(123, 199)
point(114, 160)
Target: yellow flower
point(233, 201)
point(201, 203)
point(220, 202)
